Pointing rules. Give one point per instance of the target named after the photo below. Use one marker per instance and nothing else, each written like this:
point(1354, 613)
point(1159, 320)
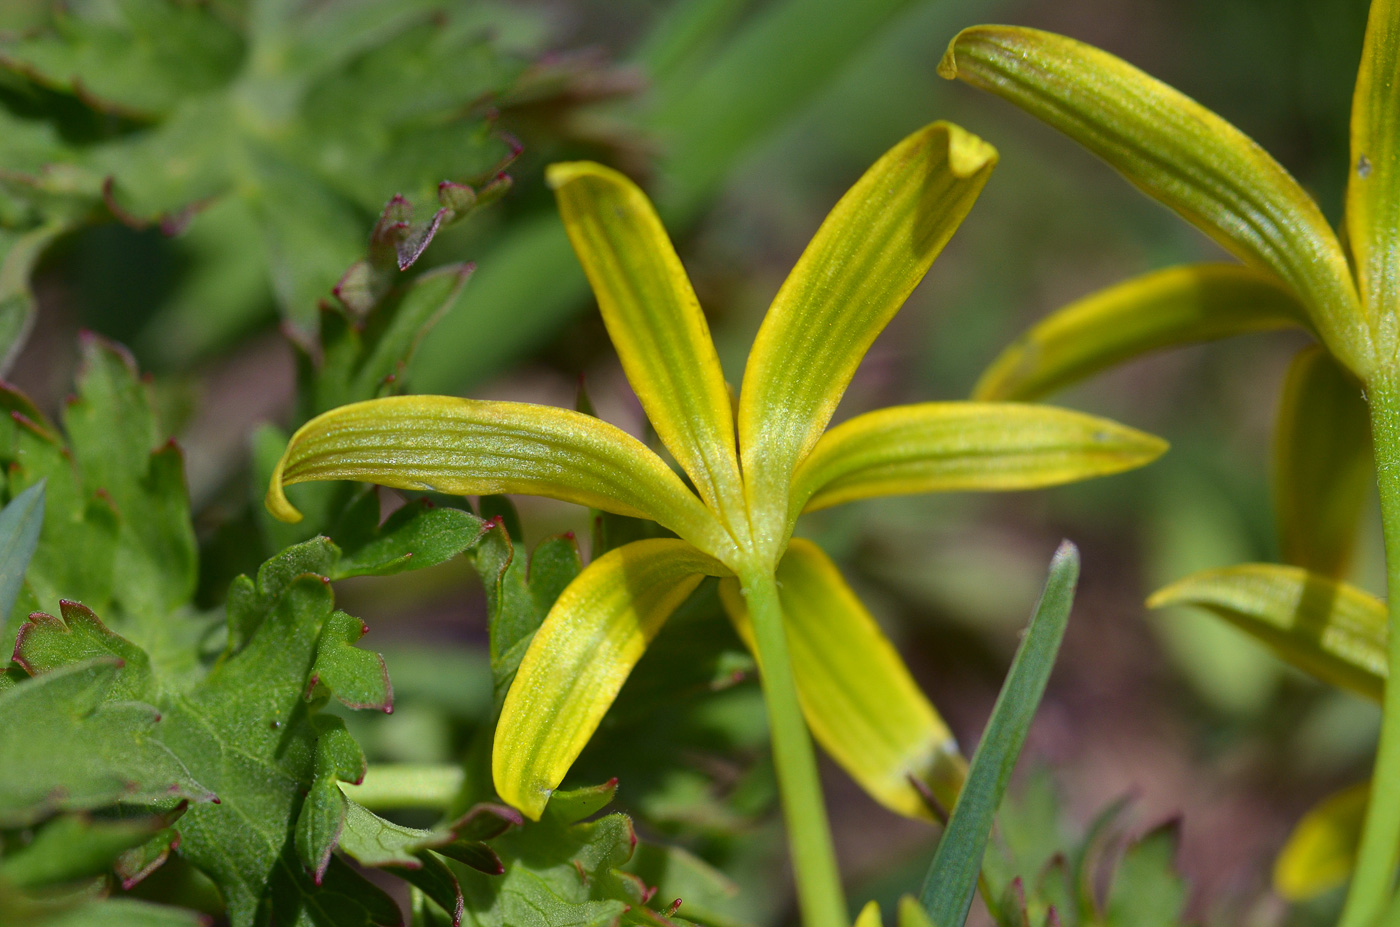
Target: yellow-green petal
point(1332, 630)
point(1321, 852)
point(468, 447)
point(1373, 180)
point(871, 251)
point(654, 321)
point(869, 915)
point(1178, 152)
point(859, 700)
point(958, 446)
point(1322, 463)
point(1162, 309)
point(581, 656)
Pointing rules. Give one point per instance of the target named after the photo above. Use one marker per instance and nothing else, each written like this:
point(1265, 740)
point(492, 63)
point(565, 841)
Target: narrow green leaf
point(1373, 178)
point(655, 323)
point(952, 877)
point(869, 254)
point(1332, 630)
point(1180, 153)
point(1162, 309)
point(859, 700)
point(579, 659)
point(957, 446)
point(1322, 464)
point(414, 537)
point(20, 522)
point(1321, 852)
point(470, 447)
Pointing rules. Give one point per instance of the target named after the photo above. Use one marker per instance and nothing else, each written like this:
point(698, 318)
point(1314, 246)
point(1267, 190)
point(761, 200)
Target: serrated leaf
point(373, 841)
point(357, 678)
point(69, 750)
point(1332, 630)
point(1147, 891)
point(952, 876)
point(418, 534)
point(74, 847)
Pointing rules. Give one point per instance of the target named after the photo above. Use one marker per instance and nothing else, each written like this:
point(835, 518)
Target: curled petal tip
point(968, 154)
point(276, 498)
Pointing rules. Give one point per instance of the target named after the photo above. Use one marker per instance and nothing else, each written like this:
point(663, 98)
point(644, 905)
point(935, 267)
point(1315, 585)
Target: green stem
point(813, 857)
point(407, 785)
point(1380, 837)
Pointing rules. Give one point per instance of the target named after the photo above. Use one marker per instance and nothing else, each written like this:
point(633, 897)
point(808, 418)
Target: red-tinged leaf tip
point(364, 628)
point(1052, 917)
point(673, 907)
point(156, 719)
point(216, 800)
point(648, 892)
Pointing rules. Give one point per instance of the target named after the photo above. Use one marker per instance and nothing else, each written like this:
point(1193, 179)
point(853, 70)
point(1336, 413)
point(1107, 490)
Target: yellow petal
point(859, 699)
point(952, 446)
point(1180, 153)
point(654, 321)
point(869, 915)
point(1322, 463)
point(1373, 181)
point(1163, 309)
point(469, 447)
point(871, 251)
point(1332, 630)
point(581, 656)
point(1321, 852)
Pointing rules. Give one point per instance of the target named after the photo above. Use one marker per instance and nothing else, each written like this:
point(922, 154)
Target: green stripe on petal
point(1332, 630)
point(1373, 181)
point(868, 255)
point(579, 659)
point(1322, 463)
point(655, 323)
point(958, 446)
point(1163, 309)
point(1178, 152)
point(859, 700)
point(469, 447)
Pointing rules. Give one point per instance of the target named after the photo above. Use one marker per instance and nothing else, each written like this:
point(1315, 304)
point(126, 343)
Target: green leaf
point(957, 446)
point(869, 254)
point(118, 912)
point(69, 750)
point(17, 307)
point(471, 447)
point(74, 847)
point(579, 658)
point(1180, 153)
point(1372, 217)
point(20, 521)
point(655, 323)
point(952, 876)
point(856, 694)
point(416, 536)
point(1322, 464)
point(1159, 310)
point(1334, 631)
point(372, 841)
point(1320, 854)
point(1147, 891)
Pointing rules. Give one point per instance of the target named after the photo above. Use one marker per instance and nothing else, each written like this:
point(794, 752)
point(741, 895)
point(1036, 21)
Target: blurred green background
point(746, 121)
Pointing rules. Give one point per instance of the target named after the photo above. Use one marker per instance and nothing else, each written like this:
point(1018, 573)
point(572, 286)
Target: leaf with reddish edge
point(356, 678)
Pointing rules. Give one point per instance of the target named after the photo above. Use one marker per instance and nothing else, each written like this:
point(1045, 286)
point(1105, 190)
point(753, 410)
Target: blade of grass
point(952, 877)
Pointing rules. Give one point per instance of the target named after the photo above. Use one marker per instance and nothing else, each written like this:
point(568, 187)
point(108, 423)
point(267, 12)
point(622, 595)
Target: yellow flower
point(754, 469)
